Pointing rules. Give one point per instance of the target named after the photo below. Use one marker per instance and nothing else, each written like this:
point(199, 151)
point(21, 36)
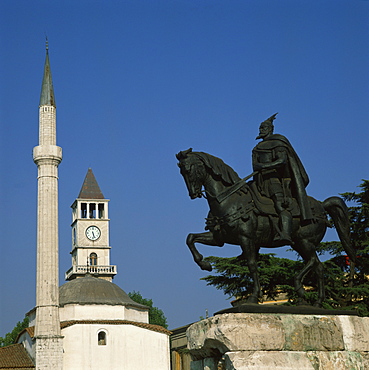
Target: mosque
point(88, 322)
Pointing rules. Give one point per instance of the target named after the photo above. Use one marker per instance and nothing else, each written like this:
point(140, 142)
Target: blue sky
point(136, 82)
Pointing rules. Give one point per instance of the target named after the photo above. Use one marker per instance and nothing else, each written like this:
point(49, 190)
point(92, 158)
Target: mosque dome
point(89, 290)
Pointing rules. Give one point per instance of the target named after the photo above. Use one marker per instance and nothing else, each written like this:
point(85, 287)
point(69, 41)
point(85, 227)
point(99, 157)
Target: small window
point(101, 210)
point(74, 259)
point(74, 213)
point(83, 210)
point(92, 210)
point(101, 338)
point(93, 259)
point(74, 236)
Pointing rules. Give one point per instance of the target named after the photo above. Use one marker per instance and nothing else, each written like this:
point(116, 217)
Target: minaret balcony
point(100, 270)
point(47, 151)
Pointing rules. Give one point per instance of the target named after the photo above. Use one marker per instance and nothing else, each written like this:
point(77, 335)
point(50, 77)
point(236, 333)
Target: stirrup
point(282, 239)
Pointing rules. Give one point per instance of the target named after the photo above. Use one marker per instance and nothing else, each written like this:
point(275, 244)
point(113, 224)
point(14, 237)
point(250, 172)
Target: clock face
point(93, 233)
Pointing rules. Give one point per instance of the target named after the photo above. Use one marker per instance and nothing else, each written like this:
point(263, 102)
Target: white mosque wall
point(126, 347)
point(102, 312)
point(28, 344)
point(31, 317)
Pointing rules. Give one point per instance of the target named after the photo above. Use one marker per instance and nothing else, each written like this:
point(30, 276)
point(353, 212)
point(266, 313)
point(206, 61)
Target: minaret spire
point(47, 91)
point(47, 156)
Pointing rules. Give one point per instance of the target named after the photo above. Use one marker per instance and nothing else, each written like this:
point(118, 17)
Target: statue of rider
point(281, 177)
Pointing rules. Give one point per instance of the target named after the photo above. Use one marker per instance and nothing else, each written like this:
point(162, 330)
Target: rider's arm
point(281, 159)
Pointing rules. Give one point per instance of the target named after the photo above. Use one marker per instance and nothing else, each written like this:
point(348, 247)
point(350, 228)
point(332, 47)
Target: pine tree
point(10, 338)
point(354, 292)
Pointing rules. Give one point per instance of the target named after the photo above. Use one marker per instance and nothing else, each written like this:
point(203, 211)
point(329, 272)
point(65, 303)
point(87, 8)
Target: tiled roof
point(152, 327)
point(15, 357)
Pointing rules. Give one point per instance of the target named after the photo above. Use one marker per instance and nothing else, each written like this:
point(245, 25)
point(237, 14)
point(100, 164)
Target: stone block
point(338, 360)
point(267, 360)
point(255, 332)
point(312, 333)
point(280, 341)
point(355, 332)
point(236, 331)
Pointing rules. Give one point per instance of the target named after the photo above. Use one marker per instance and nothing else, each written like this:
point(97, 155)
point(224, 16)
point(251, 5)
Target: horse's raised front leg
point(206, 238)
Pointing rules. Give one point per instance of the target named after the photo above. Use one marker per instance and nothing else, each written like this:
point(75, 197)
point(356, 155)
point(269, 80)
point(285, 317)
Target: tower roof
point(47, 91)
point(90, 188)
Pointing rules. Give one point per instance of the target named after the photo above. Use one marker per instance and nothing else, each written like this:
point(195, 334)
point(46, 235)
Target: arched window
point(101, 338)
point(93, 259)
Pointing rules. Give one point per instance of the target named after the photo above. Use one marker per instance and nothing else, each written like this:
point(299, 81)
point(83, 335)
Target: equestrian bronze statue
point(271, 211)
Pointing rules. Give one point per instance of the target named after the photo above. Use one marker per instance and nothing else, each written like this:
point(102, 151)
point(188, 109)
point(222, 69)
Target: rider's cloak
point(300, 178)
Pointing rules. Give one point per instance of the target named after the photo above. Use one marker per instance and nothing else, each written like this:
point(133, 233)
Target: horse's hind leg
point(306, 249)
point(309, 264)
point(206, 238)
point(321, 289)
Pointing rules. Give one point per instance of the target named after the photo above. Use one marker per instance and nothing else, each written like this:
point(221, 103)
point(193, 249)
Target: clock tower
point(90, 233)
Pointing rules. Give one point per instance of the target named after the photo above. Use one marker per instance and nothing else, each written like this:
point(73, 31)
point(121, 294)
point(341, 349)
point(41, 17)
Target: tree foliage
point(354, 292)
point(11, 337)
point(276, 275)
point(359, 217)
point(347, 283)
point(156, 315)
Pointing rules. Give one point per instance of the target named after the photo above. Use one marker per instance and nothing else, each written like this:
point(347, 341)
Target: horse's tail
point(337, 209)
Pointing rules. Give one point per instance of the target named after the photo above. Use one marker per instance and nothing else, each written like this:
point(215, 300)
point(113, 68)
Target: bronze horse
point(235, 218)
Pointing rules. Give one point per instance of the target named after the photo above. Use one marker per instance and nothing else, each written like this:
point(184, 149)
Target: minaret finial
point(46, 43)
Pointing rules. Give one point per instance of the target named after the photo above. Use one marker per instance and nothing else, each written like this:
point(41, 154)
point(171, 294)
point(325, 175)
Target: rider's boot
point(284, 237)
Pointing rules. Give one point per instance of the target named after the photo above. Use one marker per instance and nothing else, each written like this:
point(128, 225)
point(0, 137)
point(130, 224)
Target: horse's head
point(193, 171)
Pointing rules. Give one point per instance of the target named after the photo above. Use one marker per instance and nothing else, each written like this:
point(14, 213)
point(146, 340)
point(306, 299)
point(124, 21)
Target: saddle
point(265, 206)
point(259, 204)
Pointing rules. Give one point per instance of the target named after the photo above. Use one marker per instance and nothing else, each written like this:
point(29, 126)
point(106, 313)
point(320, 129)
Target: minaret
point(47, 156)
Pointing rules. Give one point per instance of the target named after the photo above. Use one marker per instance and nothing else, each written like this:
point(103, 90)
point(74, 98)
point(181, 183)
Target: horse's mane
point(218, 167)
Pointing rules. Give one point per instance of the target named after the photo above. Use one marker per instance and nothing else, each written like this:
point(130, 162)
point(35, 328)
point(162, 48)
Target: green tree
point(11, 337)
point(347, 283)
point(354, 292)
point(156, 315)
point(276, 275)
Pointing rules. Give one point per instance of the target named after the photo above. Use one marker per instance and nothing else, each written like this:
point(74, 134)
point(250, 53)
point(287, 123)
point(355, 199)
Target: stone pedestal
point(279, 341)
